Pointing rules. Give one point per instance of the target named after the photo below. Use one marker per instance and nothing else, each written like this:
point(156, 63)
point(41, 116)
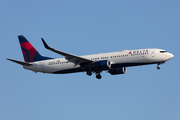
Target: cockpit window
point(163, 51)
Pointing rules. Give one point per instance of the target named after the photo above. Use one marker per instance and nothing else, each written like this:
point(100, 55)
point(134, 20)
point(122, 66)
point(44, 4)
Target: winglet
point(45, 44)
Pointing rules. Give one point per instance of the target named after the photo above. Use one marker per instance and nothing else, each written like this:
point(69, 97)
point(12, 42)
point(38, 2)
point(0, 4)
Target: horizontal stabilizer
point(20, 62)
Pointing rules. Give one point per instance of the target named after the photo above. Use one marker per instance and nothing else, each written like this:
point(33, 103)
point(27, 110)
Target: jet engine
point(116, 71)
point(102, 65)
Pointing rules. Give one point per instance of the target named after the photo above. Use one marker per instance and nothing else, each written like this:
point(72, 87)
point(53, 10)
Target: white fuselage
point(119, 59)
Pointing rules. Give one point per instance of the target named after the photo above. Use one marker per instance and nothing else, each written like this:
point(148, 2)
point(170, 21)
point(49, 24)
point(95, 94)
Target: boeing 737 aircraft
point(114, 62)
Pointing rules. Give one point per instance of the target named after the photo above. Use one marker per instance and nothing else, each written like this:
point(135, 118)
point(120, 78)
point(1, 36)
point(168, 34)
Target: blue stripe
point(131, 64)
point(27, 53)
point(73, 70)
point(69, 71)
point(38, 57)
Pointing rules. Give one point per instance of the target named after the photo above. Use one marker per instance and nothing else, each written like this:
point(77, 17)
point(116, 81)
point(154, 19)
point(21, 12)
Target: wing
point(71, 58)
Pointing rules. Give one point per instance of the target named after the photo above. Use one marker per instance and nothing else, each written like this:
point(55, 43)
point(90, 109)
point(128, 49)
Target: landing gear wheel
point(158, 67)
point(89, 73)
point(98, 76)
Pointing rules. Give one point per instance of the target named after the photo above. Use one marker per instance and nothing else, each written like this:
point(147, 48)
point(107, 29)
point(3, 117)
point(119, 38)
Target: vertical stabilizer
point(30, 54)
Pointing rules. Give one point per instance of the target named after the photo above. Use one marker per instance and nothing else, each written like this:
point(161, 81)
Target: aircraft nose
point(170, 55)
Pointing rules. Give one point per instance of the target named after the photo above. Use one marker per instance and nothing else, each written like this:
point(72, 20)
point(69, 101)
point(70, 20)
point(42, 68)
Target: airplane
point(114, 62)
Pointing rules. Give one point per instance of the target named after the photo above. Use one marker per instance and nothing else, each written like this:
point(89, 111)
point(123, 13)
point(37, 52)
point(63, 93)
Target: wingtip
point(8, 59)
point(45, 44)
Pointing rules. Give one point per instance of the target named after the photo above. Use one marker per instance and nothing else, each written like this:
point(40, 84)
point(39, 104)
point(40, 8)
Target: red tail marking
point(26, 45)
point(31, 51)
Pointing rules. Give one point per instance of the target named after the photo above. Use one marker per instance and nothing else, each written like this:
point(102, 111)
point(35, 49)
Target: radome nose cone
point(172, 55)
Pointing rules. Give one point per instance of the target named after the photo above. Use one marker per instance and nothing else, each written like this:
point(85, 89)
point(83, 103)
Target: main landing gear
point(98, 76)
point(89, 73)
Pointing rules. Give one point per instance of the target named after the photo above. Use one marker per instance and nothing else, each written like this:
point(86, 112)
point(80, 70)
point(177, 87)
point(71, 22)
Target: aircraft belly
point(71, 70)
point(61, 68)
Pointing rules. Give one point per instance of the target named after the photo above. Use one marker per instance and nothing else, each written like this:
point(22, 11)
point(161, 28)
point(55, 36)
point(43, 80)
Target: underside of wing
point(71, 58)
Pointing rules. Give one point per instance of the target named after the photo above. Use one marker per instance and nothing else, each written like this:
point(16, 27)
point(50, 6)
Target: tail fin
point(29, 52)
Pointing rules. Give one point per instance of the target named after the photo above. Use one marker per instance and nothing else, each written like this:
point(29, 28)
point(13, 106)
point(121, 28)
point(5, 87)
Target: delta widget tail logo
point(29, 52)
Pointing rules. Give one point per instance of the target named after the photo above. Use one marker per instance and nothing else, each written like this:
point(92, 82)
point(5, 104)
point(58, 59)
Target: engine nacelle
point(102, 65)
point(116, 71)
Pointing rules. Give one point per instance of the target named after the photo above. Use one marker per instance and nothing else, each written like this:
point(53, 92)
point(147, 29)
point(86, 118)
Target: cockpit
point(163, 51)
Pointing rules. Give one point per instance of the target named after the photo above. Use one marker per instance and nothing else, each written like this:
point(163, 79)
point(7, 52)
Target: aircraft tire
point(158, 67)
point(98, 76)
point(89, 73)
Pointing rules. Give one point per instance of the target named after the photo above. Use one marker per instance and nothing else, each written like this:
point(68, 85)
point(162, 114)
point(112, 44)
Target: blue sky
point(90, 27)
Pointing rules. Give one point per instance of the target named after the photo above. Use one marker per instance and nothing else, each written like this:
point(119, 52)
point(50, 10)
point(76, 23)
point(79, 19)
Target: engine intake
point(116, 71)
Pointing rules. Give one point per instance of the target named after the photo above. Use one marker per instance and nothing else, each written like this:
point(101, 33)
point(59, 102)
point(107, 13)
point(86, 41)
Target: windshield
point(163, 51)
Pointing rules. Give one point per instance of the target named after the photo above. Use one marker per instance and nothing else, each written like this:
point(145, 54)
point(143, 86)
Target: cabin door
point(153, 54)
point(42, 66)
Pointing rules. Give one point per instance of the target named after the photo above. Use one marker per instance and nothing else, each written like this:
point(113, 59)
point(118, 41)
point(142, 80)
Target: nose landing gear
point(160, 63)
point(158, 67)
